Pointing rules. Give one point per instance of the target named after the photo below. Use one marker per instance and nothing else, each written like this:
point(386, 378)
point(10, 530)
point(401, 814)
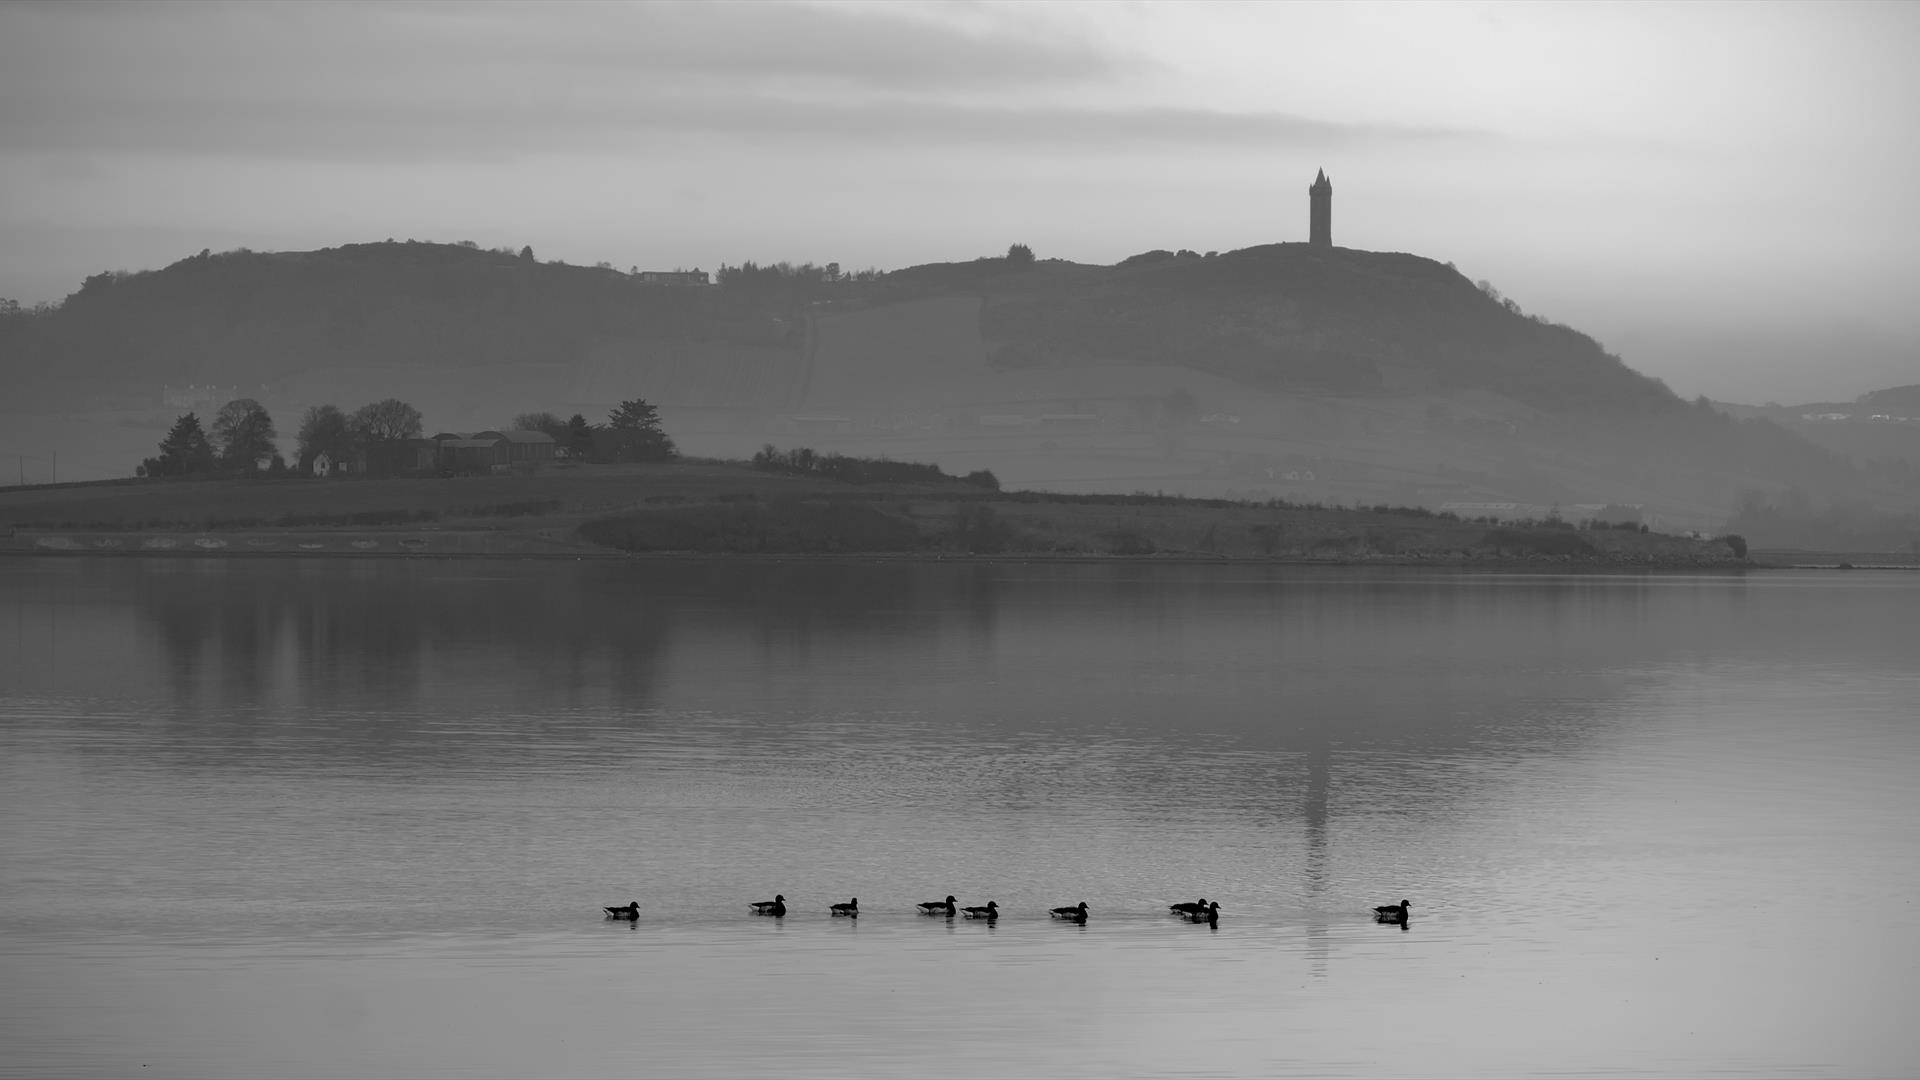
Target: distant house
point(524, 447)
point(672, 277)
point(483, 453)
point(1505, 511)
point(199, 398)
point(322, 464)
point(400, 457)
point(1607, 513)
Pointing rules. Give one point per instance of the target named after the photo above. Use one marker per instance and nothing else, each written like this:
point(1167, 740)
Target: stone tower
point(1320, 217)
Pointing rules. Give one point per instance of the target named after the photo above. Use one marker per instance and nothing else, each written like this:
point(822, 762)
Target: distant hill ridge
point(1375, 375)
point(1279, 316)
point(1303, 317)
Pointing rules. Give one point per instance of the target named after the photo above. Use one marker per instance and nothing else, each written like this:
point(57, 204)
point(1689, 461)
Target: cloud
point(443, 80)
point(433, 129)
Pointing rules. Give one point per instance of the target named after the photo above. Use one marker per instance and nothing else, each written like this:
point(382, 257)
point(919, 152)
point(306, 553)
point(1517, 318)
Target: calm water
point(328, 818)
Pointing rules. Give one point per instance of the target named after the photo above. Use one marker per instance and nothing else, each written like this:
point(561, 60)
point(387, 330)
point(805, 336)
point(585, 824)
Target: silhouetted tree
point(637, 435)
point(184, 452)
point(324, 429)
point(526, 253)
point(385, 421)
point(579, 437)
point(1020, 255)
point(244, 434)
point(542, 421)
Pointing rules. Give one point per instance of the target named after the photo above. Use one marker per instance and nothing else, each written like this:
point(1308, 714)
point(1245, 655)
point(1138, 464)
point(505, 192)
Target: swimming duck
point(1210, 916)
point(851, 907)
point(939, 907)
point(1392, 913)
point(1188, 909)
point(991, 911)
point(775, 907)
point(1078, 913)
point(631, 911)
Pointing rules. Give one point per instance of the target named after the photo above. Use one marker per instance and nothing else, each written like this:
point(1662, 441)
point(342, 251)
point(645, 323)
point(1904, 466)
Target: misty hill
point(1282, 316)
point(1879, 430)
point(1295, 317)
point(1901, 401)
point(1281, 370)
point(307, 325)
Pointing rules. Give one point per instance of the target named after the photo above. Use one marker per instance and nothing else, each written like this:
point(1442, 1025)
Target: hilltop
point(1276, 371)
point(1281, 316)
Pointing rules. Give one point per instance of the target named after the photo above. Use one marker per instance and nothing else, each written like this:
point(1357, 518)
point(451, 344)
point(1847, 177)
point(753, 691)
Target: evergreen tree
point(579, 437)
point(637, 433)
point(184, 452)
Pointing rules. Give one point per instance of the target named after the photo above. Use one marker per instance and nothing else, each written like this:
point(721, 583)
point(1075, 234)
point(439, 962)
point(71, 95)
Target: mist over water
point(358, 818)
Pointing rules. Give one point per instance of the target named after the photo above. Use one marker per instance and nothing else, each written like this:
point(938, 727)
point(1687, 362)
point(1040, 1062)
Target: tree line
point(805, 461)
point(632, 432)
point(242, 438)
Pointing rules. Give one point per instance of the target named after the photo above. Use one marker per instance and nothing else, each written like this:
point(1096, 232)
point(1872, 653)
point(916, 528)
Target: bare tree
point(541, 421)
point(244, 434)
point(324, 429)
point(385, 421)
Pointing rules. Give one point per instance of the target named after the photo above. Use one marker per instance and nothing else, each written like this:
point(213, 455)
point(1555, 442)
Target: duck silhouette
point(1078, 912)
point(1393, 913)
point(991, 911)
point(851, 908)
point(630, 911)
point(939, 907)
point(1188, 909)
point(776, 907)
point(1210, 916)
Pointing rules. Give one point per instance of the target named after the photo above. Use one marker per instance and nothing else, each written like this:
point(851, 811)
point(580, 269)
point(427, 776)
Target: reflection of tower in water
point(1314, 815)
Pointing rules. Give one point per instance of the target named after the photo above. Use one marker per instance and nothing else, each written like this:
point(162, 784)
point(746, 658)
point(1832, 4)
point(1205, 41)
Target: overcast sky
point(1723, 194)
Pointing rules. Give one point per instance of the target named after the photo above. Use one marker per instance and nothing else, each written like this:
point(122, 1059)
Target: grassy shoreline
point(714, 508)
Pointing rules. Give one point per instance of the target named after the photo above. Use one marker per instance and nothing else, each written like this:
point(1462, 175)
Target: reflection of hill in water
point(1201, 658)
point(1321, 721)
point(1126, 675)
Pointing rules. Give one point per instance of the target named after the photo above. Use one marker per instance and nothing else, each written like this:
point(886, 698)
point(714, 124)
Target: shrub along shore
point(777, 509)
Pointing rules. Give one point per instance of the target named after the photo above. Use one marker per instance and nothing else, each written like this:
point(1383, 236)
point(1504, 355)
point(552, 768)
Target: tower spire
point(1320, 211)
